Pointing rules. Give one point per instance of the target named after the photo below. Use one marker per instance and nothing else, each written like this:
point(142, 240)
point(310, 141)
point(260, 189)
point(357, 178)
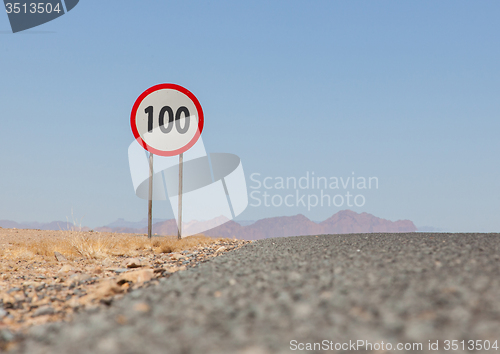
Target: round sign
point(167, 119)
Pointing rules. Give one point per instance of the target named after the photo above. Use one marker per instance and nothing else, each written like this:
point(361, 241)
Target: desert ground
point(419, 292)
point(48, 276)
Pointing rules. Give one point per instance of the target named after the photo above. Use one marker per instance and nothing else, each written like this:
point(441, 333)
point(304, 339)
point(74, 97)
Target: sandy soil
point(48, 276)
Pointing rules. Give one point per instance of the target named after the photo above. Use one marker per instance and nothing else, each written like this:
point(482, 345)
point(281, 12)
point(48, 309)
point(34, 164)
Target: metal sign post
point(150, 201)
point(179, 209)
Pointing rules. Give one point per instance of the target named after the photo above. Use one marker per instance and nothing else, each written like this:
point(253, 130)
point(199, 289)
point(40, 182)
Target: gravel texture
point(40, 285)
point(395, 288)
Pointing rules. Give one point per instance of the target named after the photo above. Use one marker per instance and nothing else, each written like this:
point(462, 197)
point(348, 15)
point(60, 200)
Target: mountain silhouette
point(343, 222)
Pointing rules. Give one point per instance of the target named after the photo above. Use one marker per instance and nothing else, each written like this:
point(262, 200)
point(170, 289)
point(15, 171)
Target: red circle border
point(162, 87)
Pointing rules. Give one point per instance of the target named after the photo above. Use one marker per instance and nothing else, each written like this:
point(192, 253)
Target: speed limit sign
point(167, 120)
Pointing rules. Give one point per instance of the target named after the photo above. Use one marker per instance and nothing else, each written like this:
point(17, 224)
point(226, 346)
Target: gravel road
point(274, 295)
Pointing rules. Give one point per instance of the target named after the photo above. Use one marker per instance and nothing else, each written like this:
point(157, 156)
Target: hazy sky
point(407, 92)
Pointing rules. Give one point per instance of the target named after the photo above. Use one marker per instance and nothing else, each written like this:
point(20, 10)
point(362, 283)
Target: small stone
point(138, 276)
point(132, 263)
point(19, 297)
point(3, 313)
point(66, 269)
point(59, 257)
point(13, 290)
point(220, 249)
point(107, 262)
point(6, 335)
point(177, 256)
point(30, 284)
point(105, 289)
point(142, 307)
point(42, 311)
point(120, 270)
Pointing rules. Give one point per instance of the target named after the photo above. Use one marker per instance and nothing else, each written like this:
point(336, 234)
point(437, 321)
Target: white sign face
point(167, 120)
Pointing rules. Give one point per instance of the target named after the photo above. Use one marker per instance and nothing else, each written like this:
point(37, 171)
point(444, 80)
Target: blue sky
point(404, 91)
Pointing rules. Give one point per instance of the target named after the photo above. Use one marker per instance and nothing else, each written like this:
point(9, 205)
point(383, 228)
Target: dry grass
point(91, 245)
point(27, 261)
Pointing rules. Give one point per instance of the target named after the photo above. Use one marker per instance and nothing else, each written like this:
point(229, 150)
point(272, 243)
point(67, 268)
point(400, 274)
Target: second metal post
point(179, 209)
point(150, 201)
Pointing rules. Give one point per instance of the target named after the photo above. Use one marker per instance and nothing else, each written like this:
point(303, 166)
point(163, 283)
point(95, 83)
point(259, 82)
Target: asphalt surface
point(395, 288)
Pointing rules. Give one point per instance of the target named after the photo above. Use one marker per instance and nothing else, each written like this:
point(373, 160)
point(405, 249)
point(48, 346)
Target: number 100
point(161, 119)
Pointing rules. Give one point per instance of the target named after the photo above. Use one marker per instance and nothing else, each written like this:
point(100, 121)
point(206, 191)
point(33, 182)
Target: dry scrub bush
point(97, 246)
point(90, 246)
point(46, 247)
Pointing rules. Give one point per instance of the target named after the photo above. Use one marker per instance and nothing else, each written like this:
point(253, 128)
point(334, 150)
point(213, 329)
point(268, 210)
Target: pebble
point(44, 311)
point(6, 335)
point(121, 270)
point(66, 269)
point(3, 313)
point(59, 257)
point(132, 263)
point(177, 256)
point(138, 276)
point(141, 307)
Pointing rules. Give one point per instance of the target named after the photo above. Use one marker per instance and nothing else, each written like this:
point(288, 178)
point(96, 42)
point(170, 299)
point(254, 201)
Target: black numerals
point(178, 120)
point(170, 124)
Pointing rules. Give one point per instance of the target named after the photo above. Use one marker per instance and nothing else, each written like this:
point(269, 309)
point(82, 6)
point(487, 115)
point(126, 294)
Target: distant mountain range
point(132, 224)
point(343, 222)
point(54, 225)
